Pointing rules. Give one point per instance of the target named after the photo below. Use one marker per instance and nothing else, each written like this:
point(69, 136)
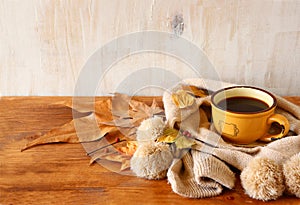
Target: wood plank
point(60, 173)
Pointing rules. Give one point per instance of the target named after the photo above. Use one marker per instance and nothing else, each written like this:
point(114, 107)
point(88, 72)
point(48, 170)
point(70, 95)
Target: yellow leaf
point(170, 131)
point(169, 135)
point(182, 99)
point(184, 142)
point(166, 139)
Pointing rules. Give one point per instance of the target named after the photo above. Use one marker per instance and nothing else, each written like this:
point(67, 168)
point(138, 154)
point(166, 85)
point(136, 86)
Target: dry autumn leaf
point(102, 155)
point(169, 135)
point(123, 159)
point(78, 130)
point(120, 105)
point(197, 92)
point(129, 149)
point(110, 120)
point(183, 142)
point(182, 99)
point(120, 152)
point(141, 111)
point(123, 146)
point(80, 104)
point(128, 113)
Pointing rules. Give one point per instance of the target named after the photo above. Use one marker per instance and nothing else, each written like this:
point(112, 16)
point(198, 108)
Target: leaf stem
point(100, 148)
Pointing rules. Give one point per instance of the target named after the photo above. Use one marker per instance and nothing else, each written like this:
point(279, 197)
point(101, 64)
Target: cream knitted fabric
point(209, 170)
point(204, 170)
point(183, 182)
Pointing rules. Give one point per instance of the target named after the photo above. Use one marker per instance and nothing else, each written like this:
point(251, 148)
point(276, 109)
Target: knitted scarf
point(205, 170)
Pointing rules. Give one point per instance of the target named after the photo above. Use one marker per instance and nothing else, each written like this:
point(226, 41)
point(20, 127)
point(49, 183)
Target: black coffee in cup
point(242, 104)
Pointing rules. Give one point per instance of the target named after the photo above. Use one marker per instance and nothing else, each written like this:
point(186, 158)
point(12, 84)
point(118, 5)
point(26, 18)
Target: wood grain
point(60, 173)
point(45, 44)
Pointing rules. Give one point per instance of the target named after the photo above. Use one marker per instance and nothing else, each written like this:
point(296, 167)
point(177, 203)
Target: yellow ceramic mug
point(244, 114)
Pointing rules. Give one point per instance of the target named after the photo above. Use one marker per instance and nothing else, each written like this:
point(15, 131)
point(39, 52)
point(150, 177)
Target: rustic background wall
point(44, 44)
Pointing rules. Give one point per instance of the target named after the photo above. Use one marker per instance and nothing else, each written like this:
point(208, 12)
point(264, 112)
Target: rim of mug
point(244, 86)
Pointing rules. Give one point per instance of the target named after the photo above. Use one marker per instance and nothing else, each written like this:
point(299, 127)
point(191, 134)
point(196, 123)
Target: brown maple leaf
point(141, 111)
point(120, 152)
point(107, 132)
point(128, 113)
point(78, 130)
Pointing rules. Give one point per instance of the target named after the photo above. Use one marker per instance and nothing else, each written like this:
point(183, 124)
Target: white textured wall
point(44, 44)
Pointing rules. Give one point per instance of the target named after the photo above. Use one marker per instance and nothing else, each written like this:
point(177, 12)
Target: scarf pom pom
point(263, 179)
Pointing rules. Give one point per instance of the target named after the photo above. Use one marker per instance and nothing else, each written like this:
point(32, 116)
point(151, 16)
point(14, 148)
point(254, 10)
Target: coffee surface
point(242, 104)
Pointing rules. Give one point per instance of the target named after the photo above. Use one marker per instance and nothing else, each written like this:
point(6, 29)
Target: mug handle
point(283, 122)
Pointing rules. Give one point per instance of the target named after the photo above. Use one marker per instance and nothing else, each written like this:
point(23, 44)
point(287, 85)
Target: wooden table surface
point(60, 173)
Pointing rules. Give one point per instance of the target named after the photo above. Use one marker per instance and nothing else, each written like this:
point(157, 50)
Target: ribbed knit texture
point(182, 179)
point(209, 169)
point(205, 170)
